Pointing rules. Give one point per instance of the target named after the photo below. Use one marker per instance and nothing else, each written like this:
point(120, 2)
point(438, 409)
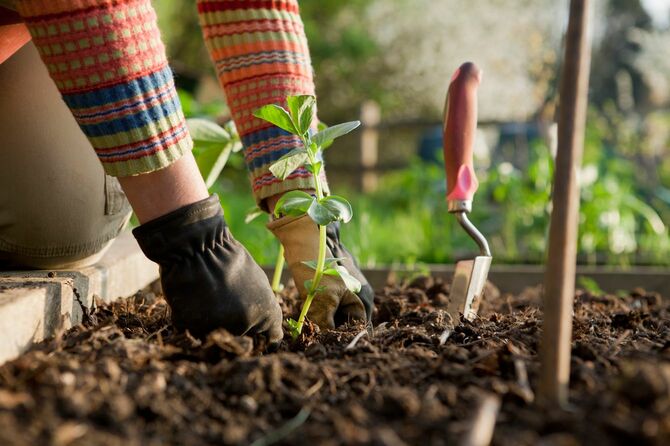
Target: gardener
point(60, 209)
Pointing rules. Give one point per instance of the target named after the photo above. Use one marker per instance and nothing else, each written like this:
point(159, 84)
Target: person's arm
point(260, 52)
point(108, 61)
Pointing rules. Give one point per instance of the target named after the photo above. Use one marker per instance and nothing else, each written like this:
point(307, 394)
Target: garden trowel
point(460, 124)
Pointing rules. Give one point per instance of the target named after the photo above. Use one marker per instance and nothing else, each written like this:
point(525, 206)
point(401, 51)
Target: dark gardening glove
point(209, 279)
point(336, 304)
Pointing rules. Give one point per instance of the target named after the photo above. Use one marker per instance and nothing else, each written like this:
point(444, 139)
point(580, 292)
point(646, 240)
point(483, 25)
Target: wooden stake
point(370, 119)
point(559, 285)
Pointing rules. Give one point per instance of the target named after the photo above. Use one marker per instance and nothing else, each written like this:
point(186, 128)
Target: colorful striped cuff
point(108, 61)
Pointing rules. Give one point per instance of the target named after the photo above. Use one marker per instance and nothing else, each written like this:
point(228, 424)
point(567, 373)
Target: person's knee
point(56, 204)
point(9, 260)
point(62, 229)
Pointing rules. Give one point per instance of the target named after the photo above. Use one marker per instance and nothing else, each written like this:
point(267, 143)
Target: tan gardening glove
point(336, 304)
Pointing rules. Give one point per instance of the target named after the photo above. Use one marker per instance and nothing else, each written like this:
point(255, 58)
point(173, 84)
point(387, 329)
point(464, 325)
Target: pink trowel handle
point(460, 124)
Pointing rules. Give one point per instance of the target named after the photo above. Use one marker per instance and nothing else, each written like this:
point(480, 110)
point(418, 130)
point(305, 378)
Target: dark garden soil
point(125, 378)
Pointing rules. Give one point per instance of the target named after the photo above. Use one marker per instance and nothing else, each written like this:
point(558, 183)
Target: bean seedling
point(213, 145)
point(323, 210)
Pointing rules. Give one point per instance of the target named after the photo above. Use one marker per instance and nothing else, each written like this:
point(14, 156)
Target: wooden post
point(370, 119)
point(559, 285)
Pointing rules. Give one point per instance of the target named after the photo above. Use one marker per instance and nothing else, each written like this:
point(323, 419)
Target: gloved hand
point(335, 305)
point(209, 279)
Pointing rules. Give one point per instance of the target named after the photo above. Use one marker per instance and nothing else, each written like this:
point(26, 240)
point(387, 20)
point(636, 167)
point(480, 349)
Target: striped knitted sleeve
point(108, 61)
point(260, 53)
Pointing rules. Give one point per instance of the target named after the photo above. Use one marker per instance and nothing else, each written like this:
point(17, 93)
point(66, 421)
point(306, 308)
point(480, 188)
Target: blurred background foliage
point(401, 53)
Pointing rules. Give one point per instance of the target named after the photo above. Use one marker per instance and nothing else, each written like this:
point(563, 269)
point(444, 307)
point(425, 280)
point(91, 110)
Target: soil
point(125, 377)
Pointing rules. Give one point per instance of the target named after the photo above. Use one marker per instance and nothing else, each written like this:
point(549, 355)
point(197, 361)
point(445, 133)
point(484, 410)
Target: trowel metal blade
point(467, 287)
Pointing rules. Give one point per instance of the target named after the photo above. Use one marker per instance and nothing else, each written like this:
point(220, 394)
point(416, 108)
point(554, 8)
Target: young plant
point(213, 146)
point(277, 286)
point(322, 209)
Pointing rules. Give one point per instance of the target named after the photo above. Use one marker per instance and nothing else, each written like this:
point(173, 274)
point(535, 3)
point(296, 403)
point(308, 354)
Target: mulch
point(125, 377)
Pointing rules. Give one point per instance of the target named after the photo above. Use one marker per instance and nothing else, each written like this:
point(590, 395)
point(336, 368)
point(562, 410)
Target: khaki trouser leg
point(57, 207)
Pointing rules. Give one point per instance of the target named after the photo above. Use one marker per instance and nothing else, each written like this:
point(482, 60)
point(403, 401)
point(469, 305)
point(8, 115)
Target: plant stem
point(303, 311)
point(279, 266)
point(318, 273)
point(313, 161)
point(321, 258)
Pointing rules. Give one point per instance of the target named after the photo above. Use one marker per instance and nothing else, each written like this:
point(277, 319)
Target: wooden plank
point(32, 310)
point(36, 303)
point(562, 254)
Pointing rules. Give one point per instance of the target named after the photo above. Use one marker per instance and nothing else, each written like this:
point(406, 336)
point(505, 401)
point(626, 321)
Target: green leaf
point(649, 213)
point(229, 126)
point(338, 206)
point(329, 134)
point(285, 165)
point(590, 285)
point(321, 126)
point(308, 286)
point(294, 328)
point(321, 214)
point(213, 144)
point(327, 262)
point(252, 214)
point(237, 146)
point(332, 260)
point(313, 149)
point(302, 110)
point(350, 281)
point(314, 168)
point(276, 115)
point(208, 132)
point(217, 166)
point(294, 103)
point(294, 203)
point(330, 209)
point(188, 104)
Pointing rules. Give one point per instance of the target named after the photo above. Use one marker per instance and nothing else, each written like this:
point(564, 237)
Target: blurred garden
point(399, 55)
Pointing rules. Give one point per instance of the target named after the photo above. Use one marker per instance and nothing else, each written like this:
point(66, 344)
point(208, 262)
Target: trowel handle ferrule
point(460, 125)
point(459, 206)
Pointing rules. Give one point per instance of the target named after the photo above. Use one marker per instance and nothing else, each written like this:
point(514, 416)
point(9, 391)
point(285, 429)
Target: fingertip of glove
point(276, 333)
point(322, 314)
point(353, 311)
point(325, 322)
point(273, 346)
point(367, 297)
